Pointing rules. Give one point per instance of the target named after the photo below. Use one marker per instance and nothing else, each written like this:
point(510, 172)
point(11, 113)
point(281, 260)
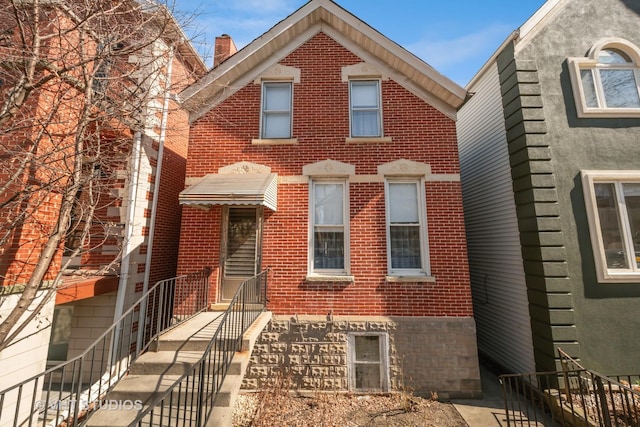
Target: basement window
point(368, 362)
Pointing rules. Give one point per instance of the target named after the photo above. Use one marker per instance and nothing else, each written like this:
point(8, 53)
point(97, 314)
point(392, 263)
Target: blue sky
point(456, 37)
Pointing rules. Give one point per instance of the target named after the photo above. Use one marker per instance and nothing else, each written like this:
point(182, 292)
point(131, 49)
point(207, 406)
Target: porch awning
point(75, 288)
point(233, 189)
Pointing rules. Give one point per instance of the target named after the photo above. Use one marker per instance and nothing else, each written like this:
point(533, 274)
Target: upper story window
point(106, 54)
point(100, 78)
point(612, 83)
point(366, 113)
point(613, 210)
point(606, 83)
point(276, 110)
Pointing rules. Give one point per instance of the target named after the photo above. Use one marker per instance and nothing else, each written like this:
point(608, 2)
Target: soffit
point(355, 35)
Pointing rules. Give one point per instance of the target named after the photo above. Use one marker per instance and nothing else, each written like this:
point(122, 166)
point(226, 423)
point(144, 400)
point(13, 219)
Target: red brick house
point(327, 153)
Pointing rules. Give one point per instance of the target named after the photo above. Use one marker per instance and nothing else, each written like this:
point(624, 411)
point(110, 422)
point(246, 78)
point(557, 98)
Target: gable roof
point(314, 17)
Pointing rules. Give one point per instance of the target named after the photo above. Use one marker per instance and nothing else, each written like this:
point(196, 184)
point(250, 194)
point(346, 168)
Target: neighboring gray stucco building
point(550, 160)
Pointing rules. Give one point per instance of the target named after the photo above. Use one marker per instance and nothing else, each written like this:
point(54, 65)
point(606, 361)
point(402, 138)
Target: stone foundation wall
point(425, 354)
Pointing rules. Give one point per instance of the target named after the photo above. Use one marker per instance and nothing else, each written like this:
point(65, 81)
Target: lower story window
point(60, 333)
point(329, 223)
point(368, 362)
point(613, 210)
point(406, 223)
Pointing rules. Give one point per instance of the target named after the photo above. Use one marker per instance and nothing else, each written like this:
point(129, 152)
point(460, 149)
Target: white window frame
point(264, 112)
point(383, 338)
point(378, 82)
point(424, 270)
point(604, 274)
point(591, 62)
point(329, 273)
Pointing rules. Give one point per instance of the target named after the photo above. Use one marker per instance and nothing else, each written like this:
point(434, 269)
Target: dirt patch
point(343, 410)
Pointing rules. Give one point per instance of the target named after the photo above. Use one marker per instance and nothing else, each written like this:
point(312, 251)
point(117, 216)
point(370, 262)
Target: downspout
point(156, 193)
point(125, 262)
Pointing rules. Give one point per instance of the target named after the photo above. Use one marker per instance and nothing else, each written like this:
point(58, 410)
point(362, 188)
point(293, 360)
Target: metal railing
point(190, 401)
point(568, 363)
point(574, 396)
point(70, 391)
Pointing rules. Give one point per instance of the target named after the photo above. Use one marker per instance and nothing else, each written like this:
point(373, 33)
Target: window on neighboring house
point(105, 56)
point(60, 333)
point(75, 234)
point(329, 227)
point(606, 82)
point(101, 77)
point(75, 230)
point(366, 117)
point(406, 227)
point(368, 362)
point(276, 110)
point(612, 83)
point(613, 210)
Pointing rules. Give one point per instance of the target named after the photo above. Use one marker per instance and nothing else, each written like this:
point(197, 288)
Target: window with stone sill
point(612, 201)
point(606, 83)
point(406, 227)
point(365, 110)
point(277, 111)
point(329, 234)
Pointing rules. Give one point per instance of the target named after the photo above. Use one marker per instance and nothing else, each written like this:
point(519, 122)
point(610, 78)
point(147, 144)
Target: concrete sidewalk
point(489, 411)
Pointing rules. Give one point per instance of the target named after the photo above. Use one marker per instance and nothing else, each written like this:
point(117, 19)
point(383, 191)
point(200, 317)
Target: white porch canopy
point(233, 189)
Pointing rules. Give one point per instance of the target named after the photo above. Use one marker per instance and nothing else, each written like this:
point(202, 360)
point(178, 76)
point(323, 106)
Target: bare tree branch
point(76, 82)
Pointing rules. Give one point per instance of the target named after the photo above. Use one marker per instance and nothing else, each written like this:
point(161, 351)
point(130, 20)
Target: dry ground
point(269, 409)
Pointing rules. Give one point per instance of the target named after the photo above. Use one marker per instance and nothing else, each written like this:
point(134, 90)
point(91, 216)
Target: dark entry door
point(241, 248)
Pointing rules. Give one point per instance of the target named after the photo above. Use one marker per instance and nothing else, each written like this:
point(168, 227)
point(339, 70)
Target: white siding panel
point(497, 272)
point(25, 358)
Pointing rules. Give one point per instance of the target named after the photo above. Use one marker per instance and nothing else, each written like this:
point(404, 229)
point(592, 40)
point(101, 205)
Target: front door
point(241, 248)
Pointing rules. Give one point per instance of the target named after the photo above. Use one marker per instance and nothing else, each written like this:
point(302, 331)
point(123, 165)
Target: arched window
point(606, 82)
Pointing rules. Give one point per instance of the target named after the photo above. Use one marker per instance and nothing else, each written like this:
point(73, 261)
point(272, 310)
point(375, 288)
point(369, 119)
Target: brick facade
point(420, 133)
point(223, 137)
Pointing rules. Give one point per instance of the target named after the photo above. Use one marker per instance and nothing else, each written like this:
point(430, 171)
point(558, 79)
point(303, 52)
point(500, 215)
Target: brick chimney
point(224, 48)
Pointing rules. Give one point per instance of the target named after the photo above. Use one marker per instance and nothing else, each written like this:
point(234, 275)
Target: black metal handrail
point(190, 400)
point(574, 396)
point(68, 392)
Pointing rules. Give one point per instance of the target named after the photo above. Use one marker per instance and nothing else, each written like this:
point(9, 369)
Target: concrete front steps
point(155, 372)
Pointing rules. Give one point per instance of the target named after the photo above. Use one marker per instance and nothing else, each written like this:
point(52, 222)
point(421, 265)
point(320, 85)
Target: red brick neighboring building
point(144, 216)
point(328, 153)
point(138, 217)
